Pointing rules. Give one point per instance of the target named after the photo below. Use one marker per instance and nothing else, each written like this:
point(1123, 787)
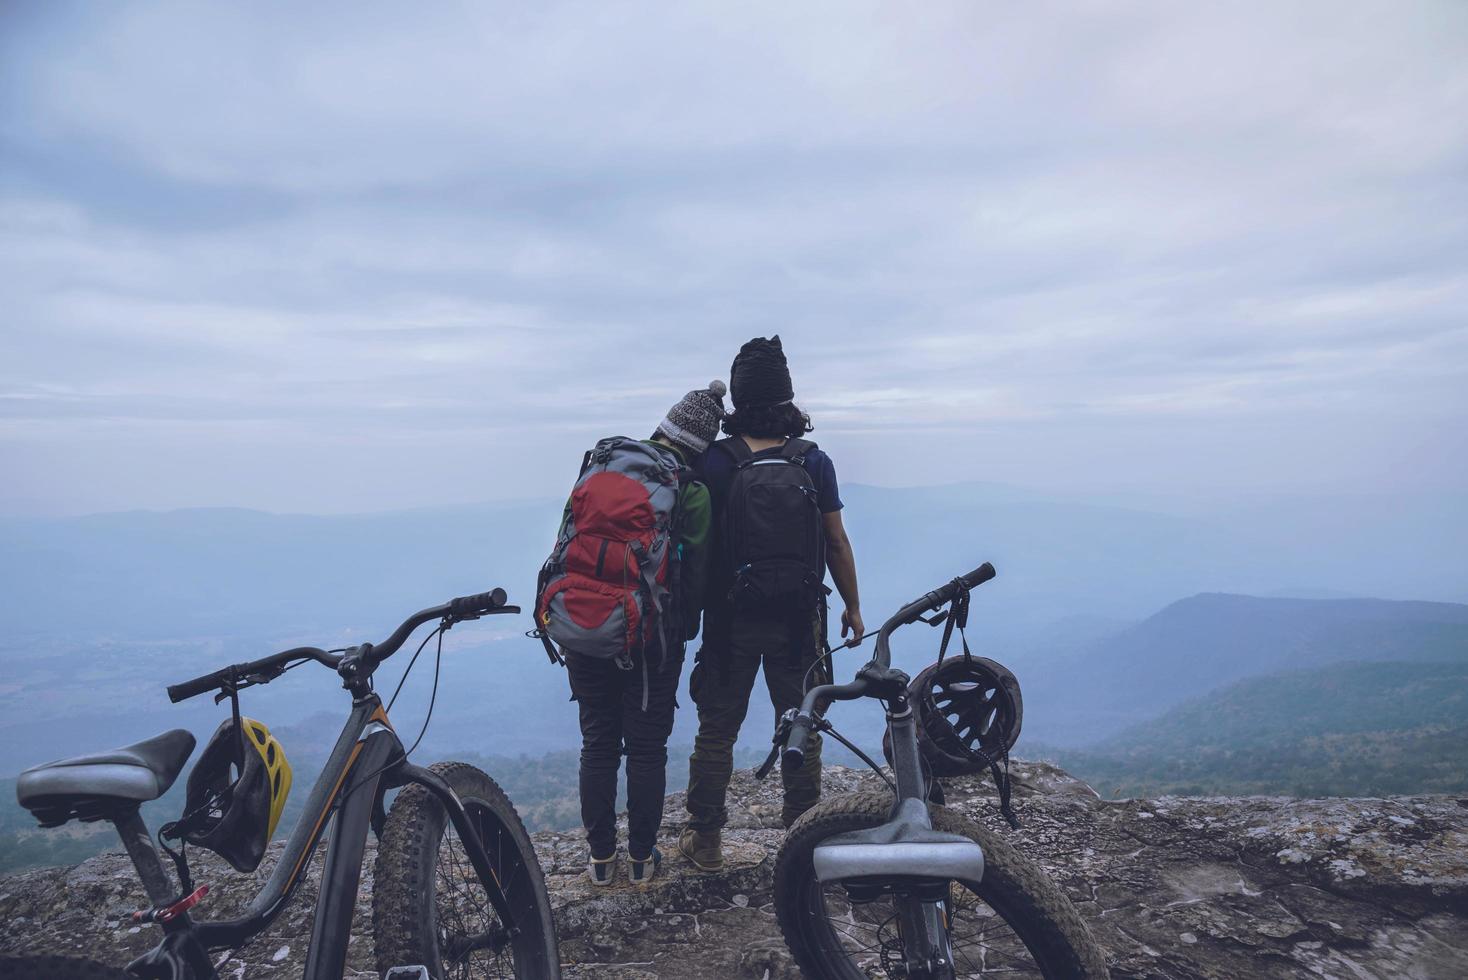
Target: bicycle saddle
point(91, 787)
point(906, 846)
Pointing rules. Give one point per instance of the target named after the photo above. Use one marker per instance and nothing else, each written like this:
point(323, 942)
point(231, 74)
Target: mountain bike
point(458, 889)
point(895, 885)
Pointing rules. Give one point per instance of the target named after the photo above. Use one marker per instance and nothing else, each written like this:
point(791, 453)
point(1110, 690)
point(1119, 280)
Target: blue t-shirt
point(717, 468)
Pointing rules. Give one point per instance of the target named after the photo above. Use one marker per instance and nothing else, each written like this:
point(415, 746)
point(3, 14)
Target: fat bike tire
point(427, 899)
point(1015, 922)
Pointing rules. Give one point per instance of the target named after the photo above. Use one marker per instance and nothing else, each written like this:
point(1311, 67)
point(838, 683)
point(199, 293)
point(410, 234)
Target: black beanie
point(760, 377)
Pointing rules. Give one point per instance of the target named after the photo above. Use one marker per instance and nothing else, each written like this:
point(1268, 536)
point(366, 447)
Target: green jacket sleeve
point(693, 538)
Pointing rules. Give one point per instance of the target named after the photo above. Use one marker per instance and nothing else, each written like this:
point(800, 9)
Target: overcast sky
point(321, 257)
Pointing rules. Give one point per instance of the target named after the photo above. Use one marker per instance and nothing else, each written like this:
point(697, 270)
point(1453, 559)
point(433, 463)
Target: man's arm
point(842, 562)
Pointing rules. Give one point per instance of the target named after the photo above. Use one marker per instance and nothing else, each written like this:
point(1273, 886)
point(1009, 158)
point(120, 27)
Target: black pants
point(613, 723)
point(721, 690)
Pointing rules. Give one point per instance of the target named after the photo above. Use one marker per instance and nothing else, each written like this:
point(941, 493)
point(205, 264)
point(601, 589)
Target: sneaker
point(602, 871)
point(704, 851)
point(642, 871)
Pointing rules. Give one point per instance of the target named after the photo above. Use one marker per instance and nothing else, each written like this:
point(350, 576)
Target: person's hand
point(851, 620)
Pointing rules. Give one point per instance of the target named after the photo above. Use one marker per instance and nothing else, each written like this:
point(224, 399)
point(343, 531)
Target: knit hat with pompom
point(693, 423)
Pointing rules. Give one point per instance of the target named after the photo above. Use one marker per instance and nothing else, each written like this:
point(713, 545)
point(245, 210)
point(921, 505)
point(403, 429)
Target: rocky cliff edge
point(1171, 887)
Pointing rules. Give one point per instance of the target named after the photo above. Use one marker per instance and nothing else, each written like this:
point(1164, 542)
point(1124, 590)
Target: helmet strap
point(957, 616)
point(232, 691)
point(180, 858)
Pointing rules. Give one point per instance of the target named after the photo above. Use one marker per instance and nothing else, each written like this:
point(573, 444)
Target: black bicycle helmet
point(232, 802)
point(969, 713)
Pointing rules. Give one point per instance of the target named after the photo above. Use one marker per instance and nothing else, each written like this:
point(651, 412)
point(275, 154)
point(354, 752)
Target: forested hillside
point(1352, 729)
point(1095, 689)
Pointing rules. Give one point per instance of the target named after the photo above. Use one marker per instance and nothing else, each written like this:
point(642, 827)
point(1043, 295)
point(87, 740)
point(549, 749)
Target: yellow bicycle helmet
point(233, 804)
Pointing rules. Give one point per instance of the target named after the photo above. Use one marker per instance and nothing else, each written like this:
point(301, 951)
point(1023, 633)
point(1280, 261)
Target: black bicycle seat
point(91, 787)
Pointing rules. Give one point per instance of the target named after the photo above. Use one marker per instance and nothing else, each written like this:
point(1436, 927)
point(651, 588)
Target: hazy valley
point(1159, 651)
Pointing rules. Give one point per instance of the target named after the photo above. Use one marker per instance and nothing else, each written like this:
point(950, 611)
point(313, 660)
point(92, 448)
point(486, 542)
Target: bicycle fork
point(926, 945)
point(909, 858)
point(343, 869)
point(469, 836)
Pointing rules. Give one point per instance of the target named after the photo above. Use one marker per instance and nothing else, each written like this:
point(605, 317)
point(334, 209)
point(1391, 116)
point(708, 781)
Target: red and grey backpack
point(609, 586)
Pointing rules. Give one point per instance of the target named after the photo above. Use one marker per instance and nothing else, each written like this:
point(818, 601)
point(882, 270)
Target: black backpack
point(774, 536)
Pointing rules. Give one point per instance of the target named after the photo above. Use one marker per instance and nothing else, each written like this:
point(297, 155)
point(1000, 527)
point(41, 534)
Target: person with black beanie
point(744, 630)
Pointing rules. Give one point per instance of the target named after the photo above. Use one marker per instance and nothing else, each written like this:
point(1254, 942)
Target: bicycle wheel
point(43, 967)
point(1015, 923)
point(428, 907)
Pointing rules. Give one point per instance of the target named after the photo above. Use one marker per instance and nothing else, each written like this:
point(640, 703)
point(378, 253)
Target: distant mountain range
point(1192, 646)
point(1350, 729)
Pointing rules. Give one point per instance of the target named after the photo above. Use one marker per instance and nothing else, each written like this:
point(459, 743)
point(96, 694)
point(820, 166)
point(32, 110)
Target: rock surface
point(1179, 888)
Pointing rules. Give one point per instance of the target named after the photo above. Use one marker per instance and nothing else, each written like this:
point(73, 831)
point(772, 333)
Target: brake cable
point(826, 656)
point(432, 700)
point(401, 680)
point(860, 754)
point(821, 724)
point(433, 695)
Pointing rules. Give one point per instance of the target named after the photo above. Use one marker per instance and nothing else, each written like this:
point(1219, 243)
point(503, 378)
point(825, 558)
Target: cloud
point(490, 232)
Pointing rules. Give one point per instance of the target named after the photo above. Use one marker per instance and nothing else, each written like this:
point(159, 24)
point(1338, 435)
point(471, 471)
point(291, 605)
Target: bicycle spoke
point(466, 917)
point(866, 934)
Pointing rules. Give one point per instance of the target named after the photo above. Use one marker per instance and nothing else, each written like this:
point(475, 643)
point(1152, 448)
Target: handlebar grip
point(964, 583)
point(794, 755)
point(473, 606)
point(197, 686)
point(979, 576)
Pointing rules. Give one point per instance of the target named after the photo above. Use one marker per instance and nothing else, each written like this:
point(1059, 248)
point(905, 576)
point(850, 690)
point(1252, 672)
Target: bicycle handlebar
point(928, 603)
point(808, 717)
point(805, 720)
point(454, 611)
point(264, 666)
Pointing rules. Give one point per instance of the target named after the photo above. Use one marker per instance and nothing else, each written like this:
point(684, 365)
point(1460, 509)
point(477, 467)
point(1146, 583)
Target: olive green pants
point(721, 685)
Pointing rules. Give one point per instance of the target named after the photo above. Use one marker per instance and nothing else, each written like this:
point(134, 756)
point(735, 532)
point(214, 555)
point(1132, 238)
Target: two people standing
point(661, 532)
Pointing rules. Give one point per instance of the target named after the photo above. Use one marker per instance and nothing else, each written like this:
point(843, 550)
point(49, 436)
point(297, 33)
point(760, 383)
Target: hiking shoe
point(642, 871)
point(704, 851)
point(602, 871)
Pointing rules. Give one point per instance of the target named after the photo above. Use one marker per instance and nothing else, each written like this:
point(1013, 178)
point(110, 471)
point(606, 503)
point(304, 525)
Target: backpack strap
point(796, 450)
point(736, 448)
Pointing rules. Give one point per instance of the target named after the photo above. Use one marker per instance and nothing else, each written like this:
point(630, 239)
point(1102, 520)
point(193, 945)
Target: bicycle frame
point(923, 916)
point(367, 760)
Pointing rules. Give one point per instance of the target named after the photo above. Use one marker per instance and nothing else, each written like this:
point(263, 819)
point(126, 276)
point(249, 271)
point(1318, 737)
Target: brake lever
point(782, 732)
point(769, 763)
point(934, 620)
point(450, 620)
point(249, 680)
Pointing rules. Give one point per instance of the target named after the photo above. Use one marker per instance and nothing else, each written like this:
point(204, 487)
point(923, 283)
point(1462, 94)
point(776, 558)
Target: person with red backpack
point(621, 595)
point(778, 529)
